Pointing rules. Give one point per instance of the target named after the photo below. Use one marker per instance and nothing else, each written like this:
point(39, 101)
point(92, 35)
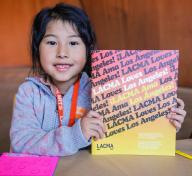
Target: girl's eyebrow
point(53, 35)
point(70, 36)
point(49, 35)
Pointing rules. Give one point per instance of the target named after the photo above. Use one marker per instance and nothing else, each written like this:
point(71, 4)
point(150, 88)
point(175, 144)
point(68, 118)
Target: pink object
point(30, 165)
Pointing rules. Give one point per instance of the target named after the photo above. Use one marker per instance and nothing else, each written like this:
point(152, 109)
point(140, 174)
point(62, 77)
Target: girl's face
point(62, 51)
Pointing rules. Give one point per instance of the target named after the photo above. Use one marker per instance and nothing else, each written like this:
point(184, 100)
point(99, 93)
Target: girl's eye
point(51, 43)
point(73, 43)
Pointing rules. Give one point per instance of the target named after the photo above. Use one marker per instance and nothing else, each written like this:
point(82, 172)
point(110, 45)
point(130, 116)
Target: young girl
point(52, 113)
point(49, 105)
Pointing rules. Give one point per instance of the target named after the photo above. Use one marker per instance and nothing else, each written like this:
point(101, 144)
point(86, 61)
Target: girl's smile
point(63, 67)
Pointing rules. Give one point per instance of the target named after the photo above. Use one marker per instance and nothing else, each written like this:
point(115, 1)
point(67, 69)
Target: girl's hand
point(177, 115)
point(92, 126)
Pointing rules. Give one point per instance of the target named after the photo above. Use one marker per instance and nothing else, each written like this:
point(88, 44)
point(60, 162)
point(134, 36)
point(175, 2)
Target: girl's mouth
point(62, 67)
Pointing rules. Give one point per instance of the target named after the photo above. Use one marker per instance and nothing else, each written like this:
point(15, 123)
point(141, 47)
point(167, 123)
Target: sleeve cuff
point(79, 139)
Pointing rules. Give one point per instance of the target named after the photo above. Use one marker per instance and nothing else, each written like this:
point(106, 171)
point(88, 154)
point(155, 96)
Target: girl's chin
point(64, 78)
point(61, 79)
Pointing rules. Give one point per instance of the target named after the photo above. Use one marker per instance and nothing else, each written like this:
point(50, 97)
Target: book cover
point(134, 90)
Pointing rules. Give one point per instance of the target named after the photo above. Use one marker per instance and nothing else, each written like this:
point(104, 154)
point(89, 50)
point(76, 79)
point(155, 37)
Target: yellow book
point(134, 90)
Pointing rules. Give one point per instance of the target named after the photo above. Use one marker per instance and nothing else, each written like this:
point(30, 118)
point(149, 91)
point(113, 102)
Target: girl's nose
point(62, 52)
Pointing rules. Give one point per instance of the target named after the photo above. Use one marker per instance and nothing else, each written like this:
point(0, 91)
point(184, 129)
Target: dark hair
point(74, 15)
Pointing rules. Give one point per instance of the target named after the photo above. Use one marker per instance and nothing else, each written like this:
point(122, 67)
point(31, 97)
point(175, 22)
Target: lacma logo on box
point(105, 146)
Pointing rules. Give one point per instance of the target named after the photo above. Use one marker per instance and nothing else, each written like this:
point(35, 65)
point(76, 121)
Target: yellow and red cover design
point(134, 90)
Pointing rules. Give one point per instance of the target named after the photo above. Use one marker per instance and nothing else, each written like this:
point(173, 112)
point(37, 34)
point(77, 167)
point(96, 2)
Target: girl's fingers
point(175, 117)
point(176, 124)
point(94, 114)
point(180, 103)
point(98, 123)
point(94, 134)
point(179, 111)
point(98, 129)
point(95, 124)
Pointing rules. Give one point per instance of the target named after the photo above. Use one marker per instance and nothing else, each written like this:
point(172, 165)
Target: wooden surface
point(119, 24)
point(83, 163)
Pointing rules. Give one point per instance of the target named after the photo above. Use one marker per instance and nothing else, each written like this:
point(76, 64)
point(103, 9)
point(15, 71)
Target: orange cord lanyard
point(73, 104)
